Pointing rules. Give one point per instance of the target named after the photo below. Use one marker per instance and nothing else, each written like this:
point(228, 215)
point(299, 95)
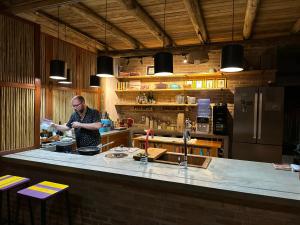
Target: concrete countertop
point(222, 174)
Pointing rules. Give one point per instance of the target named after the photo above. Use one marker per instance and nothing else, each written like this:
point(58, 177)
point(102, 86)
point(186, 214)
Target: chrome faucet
point(186, 138)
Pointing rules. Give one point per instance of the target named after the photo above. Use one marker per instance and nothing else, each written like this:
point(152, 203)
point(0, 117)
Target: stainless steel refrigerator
point(258, 124)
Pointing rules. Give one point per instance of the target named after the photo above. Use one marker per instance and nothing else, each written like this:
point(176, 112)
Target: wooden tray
point(153, 153)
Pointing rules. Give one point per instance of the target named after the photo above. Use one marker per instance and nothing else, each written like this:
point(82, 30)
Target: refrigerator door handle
point(255, 116)
point(259, 116)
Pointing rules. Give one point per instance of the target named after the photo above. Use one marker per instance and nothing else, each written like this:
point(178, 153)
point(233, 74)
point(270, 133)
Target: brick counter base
point(107, 199)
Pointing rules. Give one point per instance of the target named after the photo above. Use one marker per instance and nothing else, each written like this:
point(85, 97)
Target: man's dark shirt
point(86, 137)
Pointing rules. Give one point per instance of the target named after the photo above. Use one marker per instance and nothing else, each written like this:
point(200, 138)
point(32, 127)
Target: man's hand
point(76, 125)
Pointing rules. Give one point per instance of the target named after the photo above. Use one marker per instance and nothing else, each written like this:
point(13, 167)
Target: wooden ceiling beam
point(296, 27)
point(29, 5)
point(196, 16)
point(176, 50)
point(99, 21)
point(250, 15)
point(75, 36)
point(103, 45)
point(140, 13)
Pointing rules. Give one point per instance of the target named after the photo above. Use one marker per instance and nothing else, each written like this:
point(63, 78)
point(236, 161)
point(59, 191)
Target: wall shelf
point(156, 105)
point(171, 90)
point(169, 77)
point(193, 76)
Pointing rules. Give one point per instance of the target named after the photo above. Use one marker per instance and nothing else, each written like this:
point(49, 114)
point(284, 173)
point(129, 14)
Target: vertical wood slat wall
point(56, 104)
point(16, 84)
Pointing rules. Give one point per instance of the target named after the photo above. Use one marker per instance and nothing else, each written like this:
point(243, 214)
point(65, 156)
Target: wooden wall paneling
point(17, 51)
point(17, 118)
point(62, 108)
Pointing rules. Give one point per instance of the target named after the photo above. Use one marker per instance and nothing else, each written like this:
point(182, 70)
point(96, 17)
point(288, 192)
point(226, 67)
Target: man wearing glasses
point(85, 121)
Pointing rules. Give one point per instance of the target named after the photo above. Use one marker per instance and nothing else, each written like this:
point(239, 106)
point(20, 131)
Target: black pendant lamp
point(105, 67)
point(163, 61)
point(94, 81)
point(68, 80)
point(233, 54)
point(232, 58)
point(57, 67)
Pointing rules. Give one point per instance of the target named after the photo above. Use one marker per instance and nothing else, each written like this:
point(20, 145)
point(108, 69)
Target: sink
point(193, 160)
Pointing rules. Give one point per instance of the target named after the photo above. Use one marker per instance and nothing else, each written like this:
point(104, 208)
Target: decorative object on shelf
point(221, 83)
point(175, 86)
point(200, 84)
point(188, 84)
point(105, 63)
point(161, 86)
point(57, 66)
point(209, 83)
point(150, 70)
point(233, 54)
point(94, 81)
point(135, 74)
point(163, 61)
point(68, 80)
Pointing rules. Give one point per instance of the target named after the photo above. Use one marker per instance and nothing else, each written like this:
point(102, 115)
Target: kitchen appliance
point(107, 123)
point(203, 115)
point(258, 124)
point(220, 122)
point(65, 146)
point(202, 124)
point(92, 150)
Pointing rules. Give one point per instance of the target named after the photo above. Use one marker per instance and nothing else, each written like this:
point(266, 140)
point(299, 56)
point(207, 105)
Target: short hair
point(79, 97)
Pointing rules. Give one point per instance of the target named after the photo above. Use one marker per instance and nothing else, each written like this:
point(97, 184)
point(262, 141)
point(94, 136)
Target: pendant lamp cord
point(105, 25)
point(164, 23)
point(57, 32)
point(232, 33)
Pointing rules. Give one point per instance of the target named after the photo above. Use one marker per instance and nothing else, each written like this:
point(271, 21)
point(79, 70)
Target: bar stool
point(7, 183)
point(42, 192)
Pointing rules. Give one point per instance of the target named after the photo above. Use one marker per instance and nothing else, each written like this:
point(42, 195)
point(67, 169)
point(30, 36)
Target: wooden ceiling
point(139, 24)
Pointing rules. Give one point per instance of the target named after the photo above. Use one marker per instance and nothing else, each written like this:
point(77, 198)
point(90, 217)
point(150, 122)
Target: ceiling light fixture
point(233, 54)
point(105, 63)
point(57, 66)
point(163, 61)
point(185, 59)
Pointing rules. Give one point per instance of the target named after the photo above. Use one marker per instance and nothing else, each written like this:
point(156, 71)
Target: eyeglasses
point(74, 106)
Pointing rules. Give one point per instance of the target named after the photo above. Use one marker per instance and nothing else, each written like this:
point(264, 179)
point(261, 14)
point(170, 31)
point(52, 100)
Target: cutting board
point(153, 153)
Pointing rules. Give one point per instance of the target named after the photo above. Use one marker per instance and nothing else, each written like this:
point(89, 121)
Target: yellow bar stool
point(42, 192)
point(7, 183)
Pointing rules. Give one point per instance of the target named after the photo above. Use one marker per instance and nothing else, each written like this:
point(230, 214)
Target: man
point(85, 121)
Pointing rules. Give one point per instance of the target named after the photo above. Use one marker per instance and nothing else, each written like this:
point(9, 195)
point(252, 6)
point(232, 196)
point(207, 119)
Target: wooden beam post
point(195, 14)
point(99, 21)
point(139, 12)
point(250, 15)
point(37, 82)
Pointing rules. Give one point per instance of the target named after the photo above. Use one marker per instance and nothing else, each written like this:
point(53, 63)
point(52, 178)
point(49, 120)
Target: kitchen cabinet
point(118, 137)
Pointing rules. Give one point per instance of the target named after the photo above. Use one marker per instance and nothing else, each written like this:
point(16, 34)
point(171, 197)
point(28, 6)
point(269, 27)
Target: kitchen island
point(123, 191)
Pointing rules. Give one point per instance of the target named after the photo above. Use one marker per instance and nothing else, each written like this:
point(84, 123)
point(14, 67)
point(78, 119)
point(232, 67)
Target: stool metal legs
point(18, 210)
point(68, 207)
point(8, 207)
point(43, 213)
point(0, 208)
